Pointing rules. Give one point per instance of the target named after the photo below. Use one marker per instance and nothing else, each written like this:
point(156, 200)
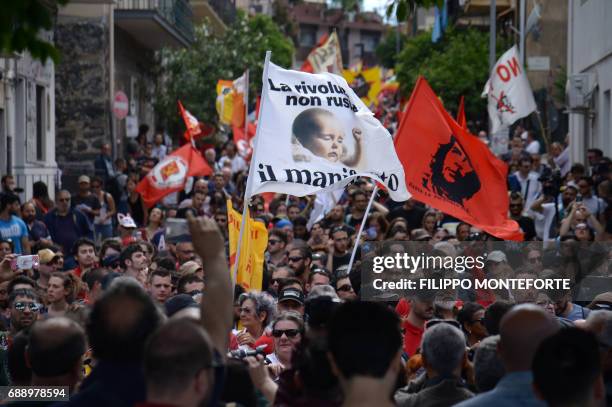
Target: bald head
point(56, 347)
point(522, 330)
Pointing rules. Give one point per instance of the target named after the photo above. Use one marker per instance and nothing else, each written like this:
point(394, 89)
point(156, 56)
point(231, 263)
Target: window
point(308, 35)
point(41, 122)
point(370, 41)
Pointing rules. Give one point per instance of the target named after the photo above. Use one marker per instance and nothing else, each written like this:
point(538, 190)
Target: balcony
point(156, 23)
point(218, 13)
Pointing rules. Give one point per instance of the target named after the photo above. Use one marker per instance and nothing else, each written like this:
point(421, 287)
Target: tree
point(191, 74)
point(21, 22)
point(405, 8)
point(386, 50)
point(455, 66)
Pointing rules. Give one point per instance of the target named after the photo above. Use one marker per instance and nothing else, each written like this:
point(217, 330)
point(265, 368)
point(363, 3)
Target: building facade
point(109, 47)
point(589, 56)
point(27, 120)
point(359, 32)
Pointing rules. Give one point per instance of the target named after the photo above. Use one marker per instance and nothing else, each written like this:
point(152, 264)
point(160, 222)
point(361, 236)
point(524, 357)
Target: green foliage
point(386, 50)
point(191, 74)
point(455, 66)
point(20, 23)
point(405, 8)
point(559, 86)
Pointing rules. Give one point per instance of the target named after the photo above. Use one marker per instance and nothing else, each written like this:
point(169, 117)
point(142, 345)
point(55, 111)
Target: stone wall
point(82, 78)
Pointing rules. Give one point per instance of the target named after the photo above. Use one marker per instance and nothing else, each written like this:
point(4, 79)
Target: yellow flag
point(254, 243)
point(225, 101)
point(367, 83)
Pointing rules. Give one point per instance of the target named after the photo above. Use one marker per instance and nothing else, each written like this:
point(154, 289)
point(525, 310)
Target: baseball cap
point(320, 291)
point(179, 302)
point(419, 234)
point(189, 267)
point(282, 223)
point(110, 260)
point(46, 256)
point(126, 221)
point(291, 294)
point(497, 256)
point(84, 178)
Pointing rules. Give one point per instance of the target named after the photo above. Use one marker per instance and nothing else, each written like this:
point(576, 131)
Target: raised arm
point(218, 297)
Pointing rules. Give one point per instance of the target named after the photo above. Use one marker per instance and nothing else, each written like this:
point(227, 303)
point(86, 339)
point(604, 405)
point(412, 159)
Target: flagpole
point(363, 222)
point(246, 104)
point(247, 190)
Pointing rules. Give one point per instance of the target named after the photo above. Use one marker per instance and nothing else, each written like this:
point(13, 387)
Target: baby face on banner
point(321, 133)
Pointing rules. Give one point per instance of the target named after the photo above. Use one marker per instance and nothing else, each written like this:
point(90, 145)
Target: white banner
point(508, 92)
point(315, 134)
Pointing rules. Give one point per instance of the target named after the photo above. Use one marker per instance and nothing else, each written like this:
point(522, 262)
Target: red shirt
point(265, 339)
point(412, 337)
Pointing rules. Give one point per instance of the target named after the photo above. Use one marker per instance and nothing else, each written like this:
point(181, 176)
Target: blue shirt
point(14, 230)
point(578, 312)
point(514, 389)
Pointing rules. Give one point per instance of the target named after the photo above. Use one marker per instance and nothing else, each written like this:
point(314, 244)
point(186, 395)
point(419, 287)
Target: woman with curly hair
point(257, 310)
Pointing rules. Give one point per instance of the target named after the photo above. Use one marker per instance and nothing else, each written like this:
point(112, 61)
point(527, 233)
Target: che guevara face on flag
point(452, 174)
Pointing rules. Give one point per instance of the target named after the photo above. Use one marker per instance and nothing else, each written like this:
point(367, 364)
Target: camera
point(243, 353)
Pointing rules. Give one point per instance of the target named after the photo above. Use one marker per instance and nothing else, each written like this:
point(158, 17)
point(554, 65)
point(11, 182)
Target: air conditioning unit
point(579, 91)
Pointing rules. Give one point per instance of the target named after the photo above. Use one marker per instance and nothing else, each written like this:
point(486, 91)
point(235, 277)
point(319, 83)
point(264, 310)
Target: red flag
point(171, 173)
point(244, 142)
point(192, 124)
point(461, 114)
point(451, 170)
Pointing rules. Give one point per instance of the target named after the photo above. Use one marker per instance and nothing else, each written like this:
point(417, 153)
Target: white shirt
point(530, 187)
point(159, 152)
point(563, 162)
point(595, 205)
point(533, 147)
point(237, 163)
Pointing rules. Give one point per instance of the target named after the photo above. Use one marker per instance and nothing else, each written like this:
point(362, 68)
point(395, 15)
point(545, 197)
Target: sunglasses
point(345, 287)
point(277, 280)
point(294, 259)
point(21, 306)
point(273, 241)
point(291, 333)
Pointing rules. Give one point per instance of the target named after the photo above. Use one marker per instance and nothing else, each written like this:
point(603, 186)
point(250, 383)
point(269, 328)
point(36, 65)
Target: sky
point(379, 5)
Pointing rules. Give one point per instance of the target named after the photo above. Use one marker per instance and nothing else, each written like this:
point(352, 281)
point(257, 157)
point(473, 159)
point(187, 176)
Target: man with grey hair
point(488, 368)
point(444, 353)
point(521, 331)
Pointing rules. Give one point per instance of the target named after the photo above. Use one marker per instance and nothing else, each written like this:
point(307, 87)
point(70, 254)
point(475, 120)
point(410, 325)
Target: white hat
point(126, 221)
point(497, 256)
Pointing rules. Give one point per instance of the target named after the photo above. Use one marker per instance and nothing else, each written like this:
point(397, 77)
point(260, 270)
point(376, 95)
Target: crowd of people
point(125, 313)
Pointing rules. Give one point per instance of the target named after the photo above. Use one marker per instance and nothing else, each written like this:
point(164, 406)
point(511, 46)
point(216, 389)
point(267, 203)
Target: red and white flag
point(192, 124)
point(508, 92)
point(244, 142)
point(171, 173)
point(325, 57)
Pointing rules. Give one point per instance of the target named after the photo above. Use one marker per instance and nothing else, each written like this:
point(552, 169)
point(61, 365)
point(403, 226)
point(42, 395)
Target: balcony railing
point(178, 13)
point(226, 9)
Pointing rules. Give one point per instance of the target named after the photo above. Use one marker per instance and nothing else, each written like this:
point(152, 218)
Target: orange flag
point(171, 173)
point(451, 170)
point(461, 114)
